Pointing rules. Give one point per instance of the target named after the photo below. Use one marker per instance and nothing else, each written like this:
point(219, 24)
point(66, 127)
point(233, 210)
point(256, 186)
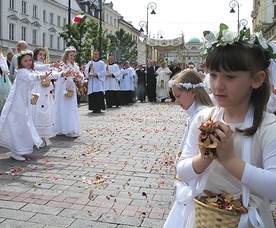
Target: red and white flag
point(78, 18)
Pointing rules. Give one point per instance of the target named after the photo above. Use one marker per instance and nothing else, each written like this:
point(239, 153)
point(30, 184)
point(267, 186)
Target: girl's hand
point(225, 148)
point(57, 64)
point(68, 73)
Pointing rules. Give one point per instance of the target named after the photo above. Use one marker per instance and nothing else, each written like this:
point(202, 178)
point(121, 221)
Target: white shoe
point(72, 135)
point(17, 157)
point(43, 144)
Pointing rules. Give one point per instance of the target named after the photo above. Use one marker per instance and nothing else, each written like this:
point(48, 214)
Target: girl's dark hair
point(36, 51)
point(239, 57)
point(19, 58)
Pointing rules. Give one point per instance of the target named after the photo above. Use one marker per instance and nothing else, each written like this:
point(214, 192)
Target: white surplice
point(112, 82)
point(95, 84)
point(162, 85)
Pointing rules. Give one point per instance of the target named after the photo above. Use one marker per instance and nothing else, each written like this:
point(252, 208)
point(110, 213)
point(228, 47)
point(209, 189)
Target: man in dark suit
point(9, 59)
point(175, 69)
point(151, 81)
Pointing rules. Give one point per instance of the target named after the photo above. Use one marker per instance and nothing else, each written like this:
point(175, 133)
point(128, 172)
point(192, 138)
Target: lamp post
point(91, 5)
point(232, 5)
point(69, 23)
point(160, 35)
point(244, 23)
point(151, 6)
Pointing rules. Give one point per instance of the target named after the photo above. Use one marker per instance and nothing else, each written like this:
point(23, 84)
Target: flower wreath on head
point(25, 52)
point(69, 49)
point(225, 36)
point(186, 85)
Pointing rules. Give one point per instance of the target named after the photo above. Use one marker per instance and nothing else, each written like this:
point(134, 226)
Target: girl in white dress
point(190, 94)
point(65, 109)
point(17, 131)
point(42, 111)
point(245, 155)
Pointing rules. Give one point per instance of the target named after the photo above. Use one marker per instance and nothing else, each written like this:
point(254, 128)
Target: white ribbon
point(185, 194)
point(252, 216)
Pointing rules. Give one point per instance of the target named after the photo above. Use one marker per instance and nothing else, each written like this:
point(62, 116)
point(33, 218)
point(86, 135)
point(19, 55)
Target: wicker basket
point(208, 216)
point(34, 99)
point(45, 83)
point(69, 93)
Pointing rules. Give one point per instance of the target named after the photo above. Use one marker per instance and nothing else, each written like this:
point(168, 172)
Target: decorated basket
point(45, 83)
point(34, 99)
point(69, 93)
point(208, 216)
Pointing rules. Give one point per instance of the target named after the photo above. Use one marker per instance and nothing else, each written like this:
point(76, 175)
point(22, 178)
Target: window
point(106, 18)
point(274, 13)
point(64, 21)
point(23, 33)
point(34, 36)
point(51, 18)
point(115, 22)
point(35, 11)
point(44, 39)
point(24, 7)
point(11, 4)
point(58, 43)
point(11, 31)
point(44, 16)
point(111, 20)
point(58, 20)
point(51, 41)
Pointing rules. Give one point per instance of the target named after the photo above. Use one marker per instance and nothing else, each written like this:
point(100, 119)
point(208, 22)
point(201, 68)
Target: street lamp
point(160, 35)
point(142, 24)
point(244, 23)
point(232, 5)
point(151, 6)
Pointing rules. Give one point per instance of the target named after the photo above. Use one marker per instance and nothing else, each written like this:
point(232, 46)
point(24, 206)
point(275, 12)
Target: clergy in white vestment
point(65, 113)
point(112, 87)
point(162, 85)
point(126, 83)
point(17, 131)
point(95, 71)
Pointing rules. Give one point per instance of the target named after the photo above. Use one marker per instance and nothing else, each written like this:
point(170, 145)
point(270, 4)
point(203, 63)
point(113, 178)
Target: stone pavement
point(116, 174)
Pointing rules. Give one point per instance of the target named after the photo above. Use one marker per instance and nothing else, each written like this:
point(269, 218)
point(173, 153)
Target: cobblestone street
point(117, 174)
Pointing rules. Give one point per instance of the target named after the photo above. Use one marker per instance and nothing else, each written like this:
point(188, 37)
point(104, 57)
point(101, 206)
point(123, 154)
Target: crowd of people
point(39, 99)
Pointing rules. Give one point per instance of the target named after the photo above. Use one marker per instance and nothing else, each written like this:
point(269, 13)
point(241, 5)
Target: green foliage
point(86, 33)
point(123, 41)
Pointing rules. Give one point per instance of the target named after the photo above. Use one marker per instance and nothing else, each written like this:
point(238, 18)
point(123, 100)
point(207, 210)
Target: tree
point(123, 42)
point(84, 34)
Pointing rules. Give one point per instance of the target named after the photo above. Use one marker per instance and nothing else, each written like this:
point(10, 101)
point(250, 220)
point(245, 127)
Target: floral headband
point(25, 52)
point(69, 49)
point(186, 85)
point(224, 37)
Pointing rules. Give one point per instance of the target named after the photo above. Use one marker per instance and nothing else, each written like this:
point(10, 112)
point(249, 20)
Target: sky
point(191, 17)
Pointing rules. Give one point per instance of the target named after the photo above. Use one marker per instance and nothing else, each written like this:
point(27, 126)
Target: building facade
point(38, 22)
